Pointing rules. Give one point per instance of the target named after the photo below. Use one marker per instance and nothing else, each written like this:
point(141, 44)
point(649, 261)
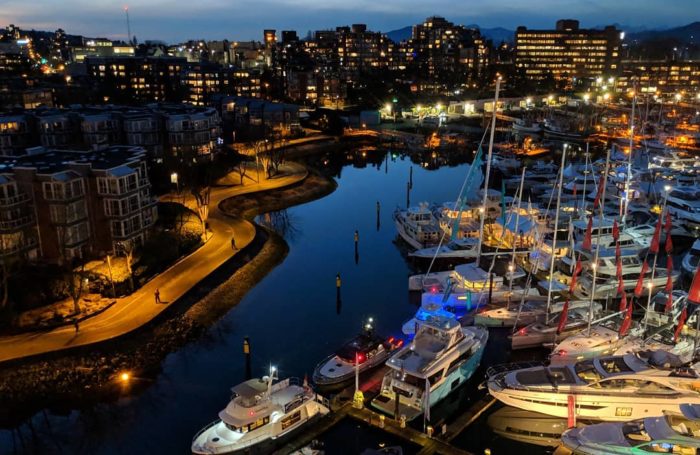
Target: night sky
point(178, 20)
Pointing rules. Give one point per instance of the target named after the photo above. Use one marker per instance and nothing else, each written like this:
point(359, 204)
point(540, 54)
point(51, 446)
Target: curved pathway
point(135, 310)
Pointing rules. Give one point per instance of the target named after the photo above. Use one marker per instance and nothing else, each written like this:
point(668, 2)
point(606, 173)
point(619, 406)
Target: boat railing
point(506, 367)
point(199, 433)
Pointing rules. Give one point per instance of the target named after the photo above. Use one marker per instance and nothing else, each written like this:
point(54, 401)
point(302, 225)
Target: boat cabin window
point(587, 372)
point(291, 420)
point(251, 426)
point(412, 380)
point(615, 365)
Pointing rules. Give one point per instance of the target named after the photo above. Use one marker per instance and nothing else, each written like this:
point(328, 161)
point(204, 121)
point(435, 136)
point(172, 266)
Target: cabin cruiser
point(442, 356)
point(523, 126)
point(617, 388)
point(464, 248)
point(607, 282)
point(364, 352)
point(527, 426)
point(260, 412)
point(430, 309)
point(417, 226)
point(469, 285)
point(469, 211)
point(684, 206)
point(539, 334)
point(670, 432)
point(529, 312)
point(691, 259)
point(604, 339)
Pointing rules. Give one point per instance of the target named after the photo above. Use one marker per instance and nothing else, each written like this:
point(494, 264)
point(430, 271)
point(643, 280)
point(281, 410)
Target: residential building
point(568, 53)
point(62, 205)
point(660, 77)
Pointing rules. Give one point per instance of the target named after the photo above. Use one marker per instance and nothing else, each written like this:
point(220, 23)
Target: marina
point(567, 299)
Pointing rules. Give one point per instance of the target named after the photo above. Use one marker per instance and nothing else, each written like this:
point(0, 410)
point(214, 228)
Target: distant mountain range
point(685, 34)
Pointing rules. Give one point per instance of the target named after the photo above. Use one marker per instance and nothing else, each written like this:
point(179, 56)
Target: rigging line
point(464, 185)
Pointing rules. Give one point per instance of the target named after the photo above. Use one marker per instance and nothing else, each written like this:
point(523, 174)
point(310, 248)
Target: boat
point(459, 249)
point(417, 226)
point(523, 126)
point(529, 312)
point(430, 309)
point(543, 334)
point(684, 206)
point(670, 432)
point(442, 356)
point(603, 339)
point(526, 426)
point(364, 352)
point(260, 413)
point(617, 388)
point(470, 278)
point(691, 259)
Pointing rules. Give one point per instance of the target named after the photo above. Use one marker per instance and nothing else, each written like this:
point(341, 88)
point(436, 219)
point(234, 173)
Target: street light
point(125, 376)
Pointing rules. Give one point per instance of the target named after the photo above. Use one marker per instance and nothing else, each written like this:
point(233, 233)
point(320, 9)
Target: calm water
point(291, 318)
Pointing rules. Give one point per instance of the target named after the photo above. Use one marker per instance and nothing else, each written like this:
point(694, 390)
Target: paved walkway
point(131, 312)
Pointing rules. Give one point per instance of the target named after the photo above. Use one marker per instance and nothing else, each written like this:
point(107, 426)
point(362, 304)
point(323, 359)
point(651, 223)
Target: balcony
point(16, 224)
point(18, 247)
point(14, 200)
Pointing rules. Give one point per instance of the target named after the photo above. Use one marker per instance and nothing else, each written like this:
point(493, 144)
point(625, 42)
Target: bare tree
point(201, 196)
point(128, 249)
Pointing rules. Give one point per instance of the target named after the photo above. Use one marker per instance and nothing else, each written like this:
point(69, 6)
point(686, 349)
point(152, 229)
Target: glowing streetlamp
point(125, 377)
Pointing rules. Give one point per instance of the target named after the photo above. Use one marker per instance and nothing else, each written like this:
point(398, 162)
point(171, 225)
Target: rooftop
point(55, 161)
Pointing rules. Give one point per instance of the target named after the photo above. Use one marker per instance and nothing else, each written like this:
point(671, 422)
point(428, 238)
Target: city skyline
point(216, 19)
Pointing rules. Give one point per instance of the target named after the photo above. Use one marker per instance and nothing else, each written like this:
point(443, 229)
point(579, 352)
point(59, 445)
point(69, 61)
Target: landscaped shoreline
point(92, 373)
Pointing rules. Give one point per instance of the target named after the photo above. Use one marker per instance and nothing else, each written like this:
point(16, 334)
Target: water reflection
point(291, 317)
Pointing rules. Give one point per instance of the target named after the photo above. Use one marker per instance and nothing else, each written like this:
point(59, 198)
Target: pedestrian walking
point(77, 325)
point(233, 243)
point(157, 294)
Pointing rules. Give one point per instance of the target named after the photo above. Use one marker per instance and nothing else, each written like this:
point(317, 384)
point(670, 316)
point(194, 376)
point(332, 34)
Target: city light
point(125, 376)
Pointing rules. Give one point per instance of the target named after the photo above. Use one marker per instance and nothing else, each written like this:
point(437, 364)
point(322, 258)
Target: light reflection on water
point(290, 316)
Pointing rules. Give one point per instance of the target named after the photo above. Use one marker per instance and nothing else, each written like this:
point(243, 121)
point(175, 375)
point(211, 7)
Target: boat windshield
point(362, 344)
point(587, 371)
point(615, 365)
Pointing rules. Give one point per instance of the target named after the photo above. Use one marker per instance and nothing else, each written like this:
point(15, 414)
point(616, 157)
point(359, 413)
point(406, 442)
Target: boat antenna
point(628, 182)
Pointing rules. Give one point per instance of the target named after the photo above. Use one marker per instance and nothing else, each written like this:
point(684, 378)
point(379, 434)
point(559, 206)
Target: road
point(131, 312)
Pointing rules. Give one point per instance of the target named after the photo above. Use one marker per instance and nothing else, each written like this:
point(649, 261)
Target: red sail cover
point(669, 284)
point(599, 192)
point(669, 244)
point(640, 282)
point(620, 285)
point(669, 303)
point(571, 411)
point(627, 322)
point(618, 252)
point(563, 317)
point(669, 264)
point(654, 246)
point(619, 268)
point(587, 238)
point(577, 270)
point(681, 323)
point(694, 293)
point(623, 301)
point(669, 225)
point(616, 231)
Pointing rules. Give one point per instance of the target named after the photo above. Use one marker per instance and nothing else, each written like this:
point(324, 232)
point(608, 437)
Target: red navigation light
point(391, 339)
point(399, 343)
point(522, 331)
point(561, 352)
point(251, 413)
point(361, 357)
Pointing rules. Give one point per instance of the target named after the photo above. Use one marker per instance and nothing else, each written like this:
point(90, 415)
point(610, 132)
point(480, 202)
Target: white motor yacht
point(670, 432)
point(442, 356)
point(604, 339)
point(459, 249)
point(618, 388)
point(684, 206)
point(530, 312)
point(260, 412)
point(417, 226)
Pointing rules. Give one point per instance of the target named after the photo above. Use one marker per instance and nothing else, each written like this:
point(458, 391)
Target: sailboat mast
point(488, 168)
point(597, 245)
point(511, 267)
point(628, 182)
point(585, 179)
point(556, 228)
